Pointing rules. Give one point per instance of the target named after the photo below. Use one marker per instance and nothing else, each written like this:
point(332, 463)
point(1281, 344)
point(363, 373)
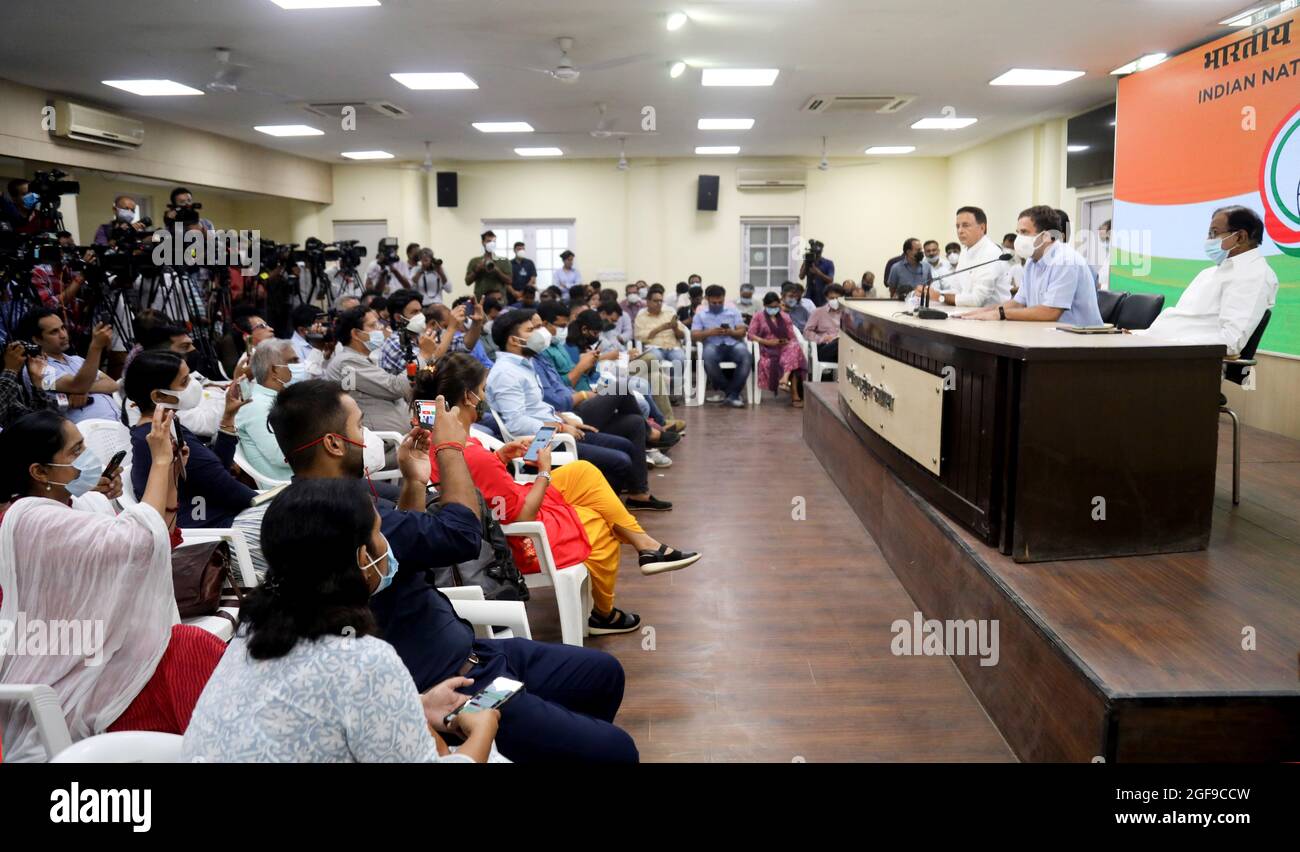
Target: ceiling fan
point(427, 165)
point(226, 79)
point(566, 72)
point(825, 164)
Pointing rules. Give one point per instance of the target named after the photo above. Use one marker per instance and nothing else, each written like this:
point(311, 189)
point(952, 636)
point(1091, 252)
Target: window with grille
point(770, 253)
point(543, 242)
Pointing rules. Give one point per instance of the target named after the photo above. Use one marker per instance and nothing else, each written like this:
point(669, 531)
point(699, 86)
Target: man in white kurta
point(977, 288)
point(1225, 303)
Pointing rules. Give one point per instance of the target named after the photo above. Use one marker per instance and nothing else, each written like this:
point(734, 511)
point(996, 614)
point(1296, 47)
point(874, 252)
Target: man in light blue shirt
point(88, 391)
point(722, 331)
point(1058, 285)
point(567, 275)
point(272, 373)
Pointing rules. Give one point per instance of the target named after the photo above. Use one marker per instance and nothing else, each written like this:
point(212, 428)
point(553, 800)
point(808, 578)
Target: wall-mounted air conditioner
point(86, 124)
point(771, 178)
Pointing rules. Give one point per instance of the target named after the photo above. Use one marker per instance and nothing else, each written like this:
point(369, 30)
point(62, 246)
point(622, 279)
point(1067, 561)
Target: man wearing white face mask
point(1224, 303)
point(488, 273)
point(275, 367)
point(125, 215)
point(823, 328)
point(1058, 283)
point(384, 398)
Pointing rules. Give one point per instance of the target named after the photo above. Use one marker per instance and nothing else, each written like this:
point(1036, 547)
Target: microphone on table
point(927, 312)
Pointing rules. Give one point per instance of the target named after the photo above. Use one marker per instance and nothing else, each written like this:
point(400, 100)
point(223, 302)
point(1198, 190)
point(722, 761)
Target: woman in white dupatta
point(88, 604)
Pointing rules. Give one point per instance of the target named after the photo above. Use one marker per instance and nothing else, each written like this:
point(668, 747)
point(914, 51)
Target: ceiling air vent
point(332, 109)
point(856, 103)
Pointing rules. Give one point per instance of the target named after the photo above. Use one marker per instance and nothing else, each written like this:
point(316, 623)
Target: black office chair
point(1108, 303)
point(1138, 310)
point(1235, 370)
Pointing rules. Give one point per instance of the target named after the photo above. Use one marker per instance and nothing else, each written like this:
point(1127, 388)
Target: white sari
point(111, 574)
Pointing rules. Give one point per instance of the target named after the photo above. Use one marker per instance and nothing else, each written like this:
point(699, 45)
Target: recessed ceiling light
point(890, 149)
point(738, 76)
point(437, 80)
point(676, 21)
point(367, 155)
point(943, 123)
point(717, 149)
point(322, 4)
point(503, 127)
point(1035, 77)
point(725, 123)
point(676, 69)
point(288, 130)
point(152, 88)
point(1077, 149)
point(539, 152)
point(1151, 60)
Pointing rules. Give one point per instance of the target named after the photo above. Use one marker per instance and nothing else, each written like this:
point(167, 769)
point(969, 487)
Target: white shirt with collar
point(1223, 304)
point(983, 287)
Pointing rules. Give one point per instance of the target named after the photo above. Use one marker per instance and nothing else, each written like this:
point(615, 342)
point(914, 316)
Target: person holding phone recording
point(584, 519)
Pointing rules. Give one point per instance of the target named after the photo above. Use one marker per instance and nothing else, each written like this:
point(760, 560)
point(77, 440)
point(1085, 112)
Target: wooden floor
point(776, 645)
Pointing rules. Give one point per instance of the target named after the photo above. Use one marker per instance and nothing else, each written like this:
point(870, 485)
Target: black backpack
point(494, 570)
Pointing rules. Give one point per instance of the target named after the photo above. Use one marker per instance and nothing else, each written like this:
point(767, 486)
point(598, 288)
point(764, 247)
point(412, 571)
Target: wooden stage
point(1126, 659)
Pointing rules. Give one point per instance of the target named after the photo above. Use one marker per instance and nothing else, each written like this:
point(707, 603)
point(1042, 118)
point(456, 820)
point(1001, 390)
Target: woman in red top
point(584, 519)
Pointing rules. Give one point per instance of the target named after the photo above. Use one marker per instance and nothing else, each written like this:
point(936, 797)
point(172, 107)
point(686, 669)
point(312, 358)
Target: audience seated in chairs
point(613, 434)
point(823, 328)
point(583, 516)
point(135, 667)
point(662, 336)
point(384, 398)
point(310, 626)
point(155, 332)
point(209, 495)
point(275, 367)
point(571, 694)
point(610, 372)
point(723, 333)
point(781, 360)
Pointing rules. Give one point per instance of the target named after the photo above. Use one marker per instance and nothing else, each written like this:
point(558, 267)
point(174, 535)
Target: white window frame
point(510, 231)
point(793, 257)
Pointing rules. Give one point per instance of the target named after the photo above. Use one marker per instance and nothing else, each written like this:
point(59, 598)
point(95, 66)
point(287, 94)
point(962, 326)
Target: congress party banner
point(1215, 126)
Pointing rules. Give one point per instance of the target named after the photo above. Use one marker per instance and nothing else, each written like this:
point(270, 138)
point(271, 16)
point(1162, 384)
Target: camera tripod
point(178, 295)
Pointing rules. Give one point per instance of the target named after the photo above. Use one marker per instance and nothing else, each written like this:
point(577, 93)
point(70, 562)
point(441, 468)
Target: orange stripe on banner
point(1183, 128)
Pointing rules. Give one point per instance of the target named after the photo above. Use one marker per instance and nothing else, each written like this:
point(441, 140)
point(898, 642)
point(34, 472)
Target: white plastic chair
point(105, 438)
point(47, 715)
point(816, 366)
point(561, 438)
point(124, 747)
point(572, 585)
point(702, 379)
point(220, 627)
point(491, 619)
point(264, 482)
point(387, 474)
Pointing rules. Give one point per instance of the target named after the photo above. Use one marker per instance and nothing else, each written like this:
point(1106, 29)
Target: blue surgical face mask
point(385, 580)
point(375, 340)
point(715, 309)
point(772, 311)
point(790, 303)
point(30, 199)
point(89, 470)
point(1215, 251)
point(561, 334)
point(297, 372)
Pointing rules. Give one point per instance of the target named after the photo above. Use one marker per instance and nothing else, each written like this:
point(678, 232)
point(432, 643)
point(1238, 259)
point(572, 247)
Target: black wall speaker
point(708, 193)
point(447, 189)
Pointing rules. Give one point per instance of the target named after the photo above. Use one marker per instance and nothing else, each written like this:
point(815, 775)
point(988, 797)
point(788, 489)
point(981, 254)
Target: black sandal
point(616, 622)
point(665, 559)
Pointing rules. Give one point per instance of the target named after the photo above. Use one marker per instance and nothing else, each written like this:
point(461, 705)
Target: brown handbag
point(199, 574)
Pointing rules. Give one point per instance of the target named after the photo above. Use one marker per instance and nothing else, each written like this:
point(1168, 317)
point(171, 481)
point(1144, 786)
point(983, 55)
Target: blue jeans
point(736, 351)
point(675, 357)
point(565, 713)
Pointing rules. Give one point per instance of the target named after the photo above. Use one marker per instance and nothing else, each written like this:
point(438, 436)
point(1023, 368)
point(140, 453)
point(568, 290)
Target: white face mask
point(490, 247)
point(520, 254)
point(833, 304)
point(416, 324)
point(124, 215)
point(934, 261)
point(953, 258)
point(538, 340)
point(1025, 245)
point(187, 399)
point(633, 298)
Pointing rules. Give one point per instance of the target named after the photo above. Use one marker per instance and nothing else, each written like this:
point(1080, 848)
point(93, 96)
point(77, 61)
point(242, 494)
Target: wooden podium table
point(1045, 444)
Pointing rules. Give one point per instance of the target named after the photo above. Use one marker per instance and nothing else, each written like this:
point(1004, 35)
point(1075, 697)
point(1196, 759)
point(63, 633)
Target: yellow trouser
point(585, 488)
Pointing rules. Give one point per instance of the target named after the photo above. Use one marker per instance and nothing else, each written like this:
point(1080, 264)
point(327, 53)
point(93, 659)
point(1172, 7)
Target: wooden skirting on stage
point(1170, 657)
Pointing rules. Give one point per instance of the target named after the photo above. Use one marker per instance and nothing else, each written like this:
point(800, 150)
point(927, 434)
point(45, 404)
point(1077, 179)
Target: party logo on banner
point(1279, 185)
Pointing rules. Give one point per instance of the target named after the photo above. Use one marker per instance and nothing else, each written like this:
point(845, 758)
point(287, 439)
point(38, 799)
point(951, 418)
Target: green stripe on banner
point(1169, 277)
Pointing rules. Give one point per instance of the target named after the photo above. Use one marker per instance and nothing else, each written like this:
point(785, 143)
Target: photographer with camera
point(18, 207)
point(19, 397)
point(412, 339)
point(126, 215)
point(428, 278)
point(182, 209)
point(386, 268)
point(88, 391)
point(56, 283)
point(819, 271)
point(488, 273)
